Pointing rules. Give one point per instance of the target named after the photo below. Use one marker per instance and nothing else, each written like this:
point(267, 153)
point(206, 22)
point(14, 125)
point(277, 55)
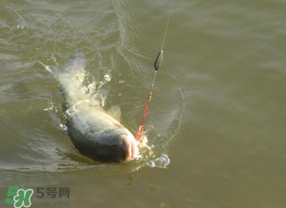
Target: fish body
point(93, 132)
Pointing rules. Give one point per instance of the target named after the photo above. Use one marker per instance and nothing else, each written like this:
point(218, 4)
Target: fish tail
point(52, 69)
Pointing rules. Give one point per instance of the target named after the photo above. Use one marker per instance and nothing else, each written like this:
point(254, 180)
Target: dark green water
point(218, 106)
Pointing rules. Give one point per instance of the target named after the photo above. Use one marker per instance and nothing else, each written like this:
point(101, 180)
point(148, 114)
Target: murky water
point(217, 113)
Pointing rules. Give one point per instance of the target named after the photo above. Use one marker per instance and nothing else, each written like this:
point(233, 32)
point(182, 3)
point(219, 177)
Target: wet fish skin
point(99, 136)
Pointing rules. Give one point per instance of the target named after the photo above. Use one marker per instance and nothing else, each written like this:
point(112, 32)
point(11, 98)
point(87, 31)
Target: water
point(217, 117)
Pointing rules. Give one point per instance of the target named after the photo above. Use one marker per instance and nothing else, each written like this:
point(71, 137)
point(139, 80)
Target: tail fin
point(75, 63)
point(52, 69)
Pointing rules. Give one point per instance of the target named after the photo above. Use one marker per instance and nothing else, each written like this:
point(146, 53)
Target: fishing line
point(157, 64)
point(167, 25)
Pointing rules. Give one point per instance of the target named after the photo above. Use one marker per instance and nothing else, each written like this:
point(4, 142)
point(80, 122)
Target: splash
point(151, 156)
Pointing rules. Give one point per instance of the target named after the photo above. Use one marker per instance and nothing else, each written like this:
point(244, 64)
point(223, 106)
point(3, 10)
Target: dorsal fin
point(115, 112)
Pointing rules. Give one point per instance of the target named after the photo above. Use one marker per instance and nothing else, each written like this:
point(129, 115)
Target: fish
point(94, 132)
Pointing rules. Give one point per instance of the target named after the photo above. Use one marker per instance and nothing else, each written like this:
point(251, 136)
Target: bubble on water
point(67, 113)
point(51, 107)
point(119, 94)
point(161, 162)
point(121, 81)
point(63, 127)
point(151, 164)
point(107, 78)
point(20, 27)
point(164, 160)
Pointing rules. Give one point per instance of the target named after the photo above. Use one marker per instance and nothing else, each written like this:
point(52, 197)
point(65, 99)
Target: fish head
point(117, 145)
point(129, 146)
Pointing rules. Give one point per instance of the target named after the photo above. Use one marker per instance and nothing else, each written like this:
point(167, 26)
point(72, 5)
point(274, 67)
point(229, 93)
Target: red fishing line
point(140, 130)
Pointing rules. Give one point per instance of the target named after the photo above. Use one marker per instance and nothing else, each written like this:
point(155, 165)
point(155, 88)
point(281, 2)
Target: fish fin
point(115, 112)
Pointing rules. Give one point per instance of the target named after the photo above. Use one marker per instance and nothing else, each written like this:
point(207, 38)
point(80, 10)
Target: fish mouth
point(133, 150)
